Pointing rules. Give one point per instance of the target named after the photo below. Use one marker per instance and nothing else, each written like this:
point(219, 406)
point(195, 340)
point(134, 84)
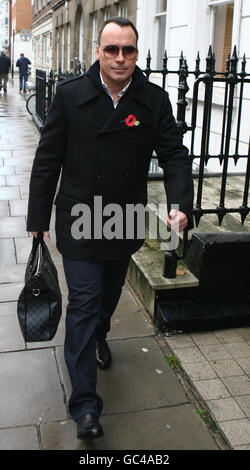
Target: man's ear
point(97, 53)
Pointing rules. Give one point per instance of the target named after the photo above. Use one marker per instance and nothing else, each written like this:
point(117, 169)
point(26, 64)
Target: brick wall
point(23, 15)
point(38, 12)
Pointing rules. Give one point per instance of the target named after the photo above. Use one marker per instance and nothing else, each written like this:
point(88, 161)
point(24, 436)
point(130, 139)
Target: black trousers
point(94, 292)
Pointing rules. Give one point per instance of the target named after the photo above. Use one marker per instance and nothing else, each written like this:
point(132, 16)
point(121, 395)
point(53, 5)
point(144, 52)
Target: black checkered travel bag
point(39, 305)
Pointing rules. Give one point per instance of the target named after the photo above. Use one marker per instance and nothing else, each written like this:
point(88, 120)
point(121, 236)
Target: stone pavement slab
point(7, 193)
point(20, 438)
point(244, 402)
point(139, 374)
point(6, 170)
point(10, 291)
point(7, 252)
point(10, 338)
point(16, 226)
point(4, 208)
point(167, 428)
point(30, 389)
point(128, 321)
point(225, 409)
point(19, 207)
point(220, 374)
point(14, 273)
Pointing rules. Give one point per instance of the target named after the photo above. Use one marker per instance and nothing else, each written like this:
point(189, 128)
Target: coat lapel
point(107, 119)
point(127, 106)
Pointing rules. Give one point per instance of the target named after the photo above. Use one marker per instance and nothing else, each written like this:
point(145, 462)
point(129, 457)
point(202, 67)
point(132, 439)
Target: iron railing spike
point(221, 215)
point(236, 158)
point(244, 211)
point(197, 216)
point(210, 52)
point(221, 158)
point(234, 55)
point(181, 59)
point(242, 216)
point(243, 64)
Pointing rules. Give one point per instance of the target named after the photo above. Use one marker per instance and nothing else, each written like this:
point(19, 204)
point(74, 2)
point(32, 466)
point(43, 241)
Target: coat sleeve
point(173, 158)
point(47, 166)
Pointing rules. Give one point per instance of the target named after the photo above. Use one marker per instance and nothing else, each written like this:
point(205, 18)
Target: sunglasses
point(129, 52)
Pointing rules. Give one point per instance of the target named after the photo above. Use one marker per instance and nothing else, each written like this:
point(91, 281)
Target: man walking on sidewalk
point(101, 131)
point(4, 70)
point(23, 64)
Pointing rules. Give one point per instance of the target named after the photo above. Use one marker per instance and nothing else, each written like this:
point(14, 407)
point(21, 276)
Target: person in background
point(4, 71)
point(23, 63)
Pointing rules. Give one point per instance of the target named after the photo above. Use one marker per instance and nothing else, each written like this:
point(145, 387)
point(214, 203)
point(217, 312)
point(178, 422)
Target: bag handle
point(38, 244)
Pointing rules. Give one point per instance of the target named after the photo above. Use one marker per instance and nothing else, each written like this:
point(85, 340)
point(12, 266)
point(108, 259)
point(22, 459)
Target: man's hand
point(177, 220)
point(46, 236)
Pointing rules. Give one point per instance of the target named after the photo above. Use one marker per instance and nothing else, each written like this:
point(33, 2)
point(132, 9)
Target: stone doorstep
point(145, 274)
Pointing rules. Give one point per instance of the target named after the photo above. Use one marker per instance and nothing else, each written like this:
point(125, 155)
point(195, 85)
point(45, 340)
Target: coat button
point(131, 139)
point(98, 175)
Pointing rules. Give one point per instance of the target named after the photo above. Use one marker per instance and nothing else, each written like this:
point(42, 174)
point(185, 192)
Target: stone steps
point(145, 272)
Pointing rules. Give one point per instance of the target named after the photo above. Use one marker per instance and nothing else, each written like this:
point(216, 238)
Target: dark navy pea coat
point(87, 143)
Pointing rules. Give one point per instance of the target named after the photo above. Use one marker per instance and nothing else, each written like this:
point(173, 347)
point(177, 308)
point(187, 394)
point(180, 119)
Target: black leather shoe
point(103, 354)
point(89, 426)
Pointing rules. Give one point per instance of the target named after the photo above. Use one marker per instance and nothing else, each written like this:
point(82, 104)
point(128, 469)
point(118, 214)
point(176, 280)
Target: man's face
point(118, 69)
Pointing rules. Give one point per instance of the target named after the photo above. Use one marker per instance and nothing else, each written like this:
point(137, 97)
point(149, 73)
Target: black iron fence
point(41, 95)
point(232, 83)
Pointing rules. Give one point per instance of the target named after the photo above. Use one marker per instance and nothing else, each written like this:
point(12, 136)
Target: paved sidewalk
point(147, 405)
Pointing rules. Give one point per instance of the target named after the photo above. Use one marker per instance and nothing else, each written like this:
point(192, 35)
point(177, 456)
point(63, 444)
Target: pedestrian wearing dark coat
point(99, 135)
point(23, 63)
point(4, 70)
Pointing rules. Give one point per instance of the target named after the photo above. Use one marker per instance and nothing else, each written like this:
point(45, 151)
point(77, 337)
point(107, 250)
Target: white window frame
point(217, 3)
point(46, 49)
point(63, 48)
point(94, 34)
point(58, 50)
point(81, 40)
point(157, 16)
point(38, 50)
point(107, 13)
point(123, 9)
point(68, 48)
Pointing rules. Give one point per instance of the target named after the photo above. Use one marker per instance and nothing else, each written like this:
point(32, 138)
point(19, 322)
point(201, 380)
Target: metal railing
point(232, 83)
point(41, 99)
point(230, 79)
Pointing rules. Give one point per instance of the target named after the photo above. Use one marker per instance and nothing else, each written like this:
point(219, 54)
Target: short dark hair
point(121, 22)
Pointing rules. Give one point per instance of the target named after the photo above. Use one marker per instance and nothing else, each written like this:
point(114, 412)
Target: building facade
point(20, 29)
point(65, 35)
point(4, 25)
point(75, 28)
point(42, 34)
point(191, 26)
point(64, 32)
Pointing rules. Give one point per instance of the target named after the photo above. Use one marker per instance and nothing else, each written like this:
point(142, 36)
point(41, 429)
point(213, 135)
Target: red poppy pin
point(131, 121)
